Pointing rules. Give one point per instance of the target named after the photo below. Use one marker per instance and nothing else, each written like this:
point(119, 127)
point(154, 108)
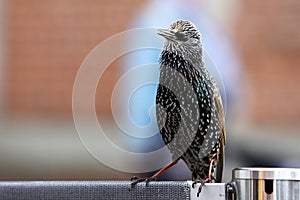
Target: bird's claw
point(194, 183)
point(202, 183)
point(135, 180)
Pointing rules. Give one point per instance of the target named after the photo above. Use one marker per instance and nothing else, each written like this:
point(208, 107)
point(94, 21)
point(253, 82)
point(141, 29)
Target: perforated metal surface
point(93, 190)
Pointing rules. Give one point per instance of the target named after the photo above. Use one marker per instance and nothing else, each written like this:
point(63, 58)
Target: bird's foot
point(202, 183)
point(135, 180)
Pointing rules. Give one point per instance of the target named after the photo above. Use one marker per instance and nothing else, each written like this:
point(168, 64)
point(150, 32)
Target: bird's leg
point(210, 177)
point(136, 180)
point(207, 180)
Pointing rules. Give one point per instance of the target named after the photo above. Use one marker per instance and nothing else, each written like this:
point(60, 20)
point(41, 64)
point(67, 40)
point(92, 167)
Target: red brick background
point(46, 41)
point(268, 35)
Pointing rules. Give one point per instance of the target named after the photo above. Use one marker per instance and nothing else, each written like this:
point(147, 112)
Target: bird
point(189, 109)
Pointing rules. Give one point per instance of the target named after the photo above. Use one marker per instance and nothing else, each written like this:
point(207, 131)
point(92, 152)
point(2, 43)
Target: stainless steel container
point(267, 183)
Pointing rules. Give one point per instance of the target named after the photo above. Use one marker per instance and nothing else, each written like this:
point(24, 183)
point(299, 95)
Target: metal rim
point(266, 173)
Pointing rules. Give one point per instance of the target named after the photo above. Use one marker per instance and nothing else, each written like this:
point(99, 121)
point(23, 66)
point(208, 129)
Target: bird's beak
point(166, 33)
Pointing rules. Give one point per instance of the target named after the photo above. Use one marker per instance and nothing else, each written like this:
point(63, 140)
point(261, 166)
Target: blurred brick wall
point(46, 43)
point(268, 34)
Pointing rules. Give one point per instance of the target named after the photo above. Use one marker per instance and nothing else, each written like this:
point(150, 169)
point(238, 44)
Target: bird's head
point(183, 39)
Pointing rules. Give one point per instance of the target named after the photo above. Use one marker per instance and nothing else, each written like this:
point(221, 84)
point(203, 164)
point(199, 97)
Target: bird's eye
point(181, 36)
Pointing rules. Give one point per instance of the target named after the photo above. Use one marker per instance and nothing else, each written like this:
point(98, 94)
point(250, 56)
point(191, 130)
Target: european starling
point(189, 109)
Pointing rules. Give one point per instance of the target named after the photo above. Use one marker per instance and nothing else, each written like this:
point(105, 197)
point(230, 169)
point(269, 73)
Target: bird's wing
point(220, 112)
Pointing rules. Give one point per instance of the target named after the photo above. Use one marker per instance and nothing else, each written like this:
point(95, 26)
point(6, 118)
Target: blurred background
point(43, 43)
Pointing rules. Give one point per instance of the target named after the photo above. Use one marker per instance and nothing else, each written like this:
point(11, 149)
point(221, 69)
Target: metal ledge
point(108, 190)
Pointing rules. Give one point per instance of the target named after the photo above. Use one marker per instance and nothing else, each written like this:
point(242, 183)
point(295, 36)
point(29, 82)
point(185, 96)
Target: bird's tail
point(220, 165)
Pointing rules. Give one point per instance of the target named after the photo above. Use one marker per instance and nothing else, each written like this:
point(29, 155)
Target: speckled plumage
point(189, 109)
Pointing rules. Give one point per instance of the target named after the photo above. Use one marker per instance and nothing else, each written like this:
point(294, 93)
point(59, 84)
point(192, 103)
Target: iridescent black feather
point(189, 108)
